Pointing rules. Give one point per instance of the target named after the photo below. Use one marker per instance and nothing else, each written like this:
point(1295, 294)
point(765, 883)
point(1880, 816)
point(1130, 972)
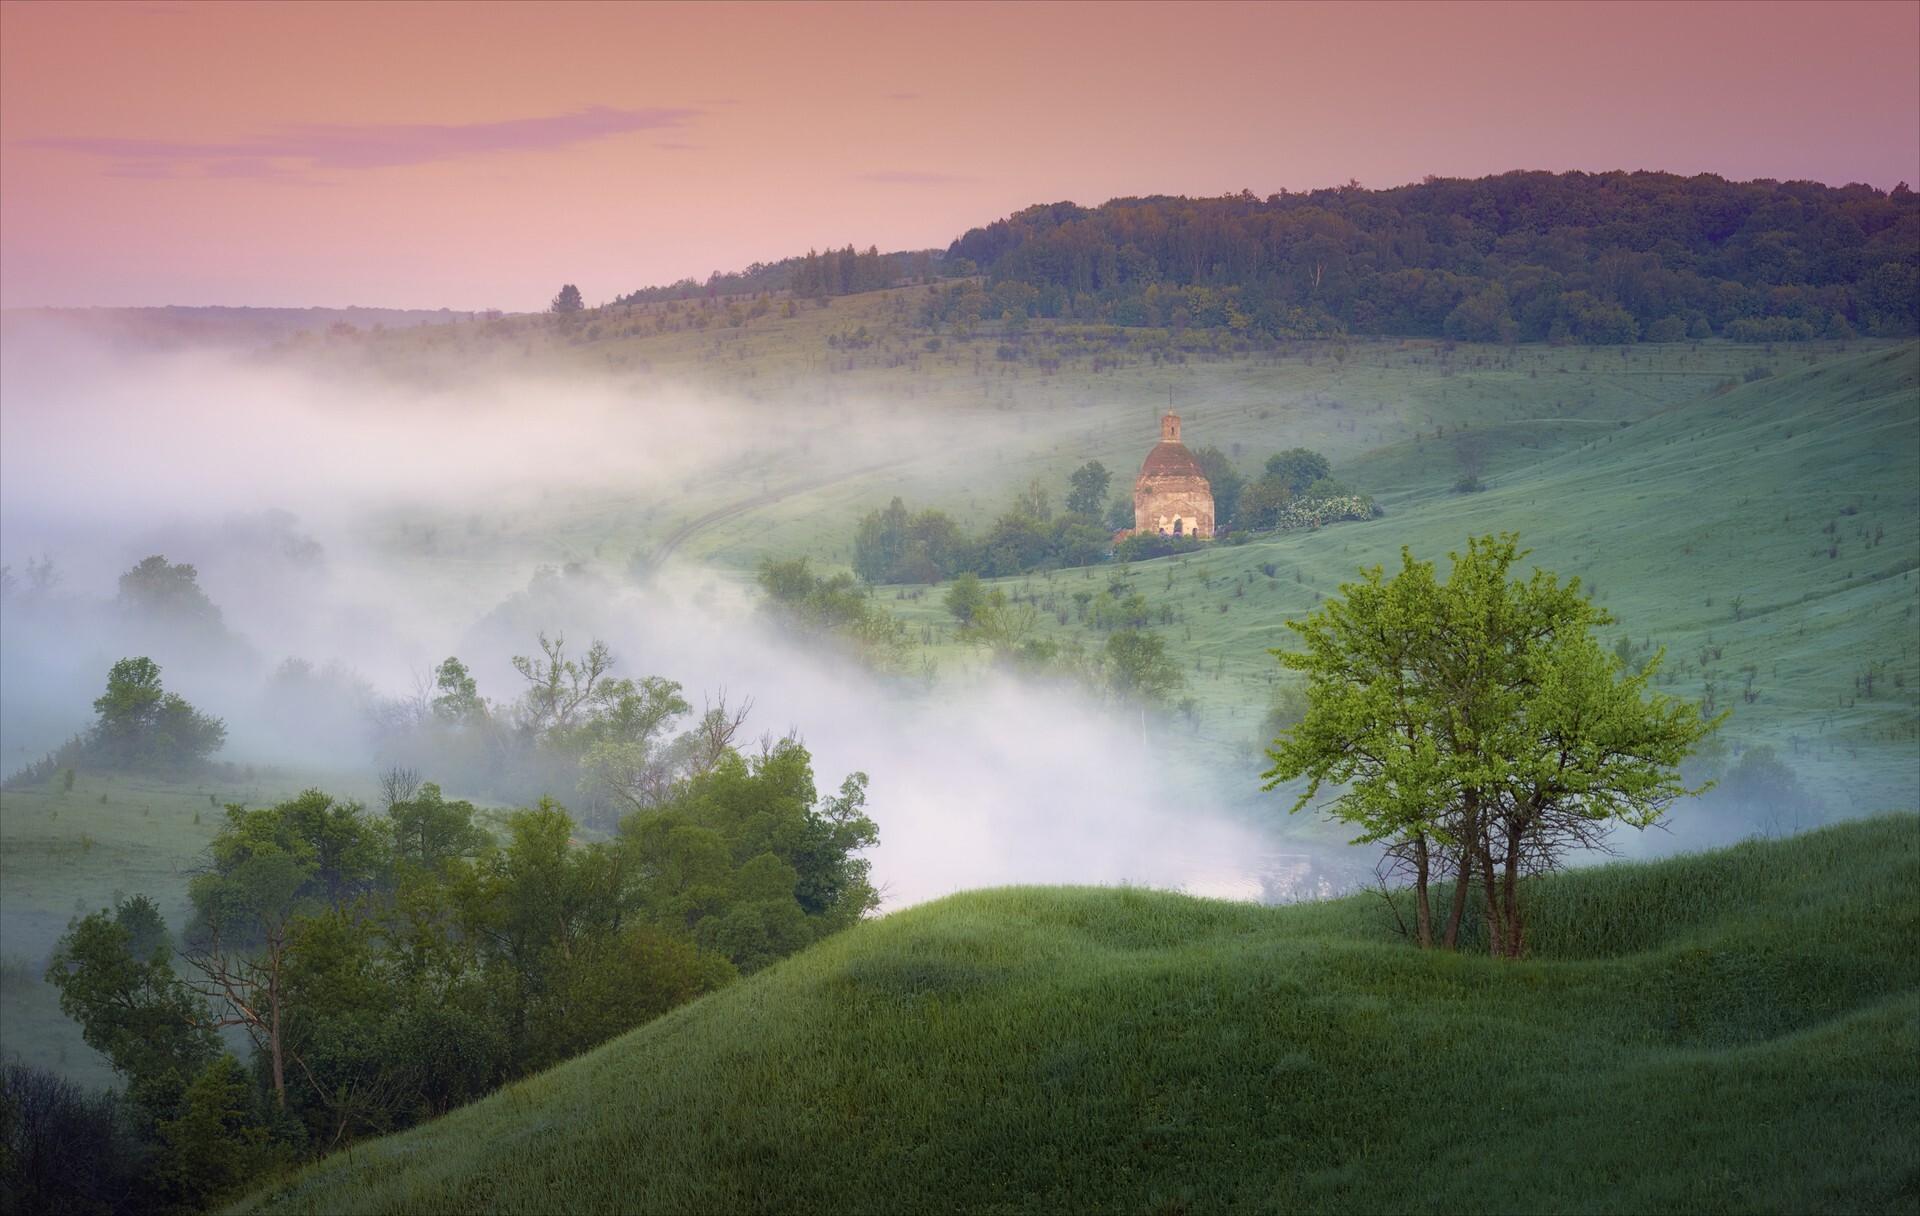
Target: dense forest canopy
point(1608, 257)
point(1523, 256)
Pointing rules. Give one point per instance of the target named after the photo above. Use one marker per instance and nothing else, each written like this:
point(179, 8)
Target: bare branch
point(399, 784)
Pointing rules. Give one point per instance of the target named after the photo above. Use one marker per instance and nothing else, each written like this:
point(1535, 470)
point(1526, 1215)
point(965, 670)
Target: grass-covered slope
point(1735, 1031)
point(1767, 536)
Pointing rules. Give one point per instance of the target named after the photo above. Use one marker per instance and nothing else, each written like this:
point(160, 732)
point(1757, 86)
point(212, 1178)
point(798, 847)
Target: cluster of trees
point(1478, 729)
point(1132, 665)
point(387, 968)
point(815, 606)
point(1527, 256)
point(1297, 478)
point(896, 545)
point(143, 727)
point(576, 729)
point(169, 592)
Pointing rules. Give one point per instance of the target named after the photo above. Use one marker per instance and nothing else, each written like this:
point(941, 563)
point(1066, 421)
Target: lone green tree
point(142, 725)
point(966, 597)
point(567, 301)
point(1089, 483)
point(1138, 667)
point(1298, 468)
point(1479, 728)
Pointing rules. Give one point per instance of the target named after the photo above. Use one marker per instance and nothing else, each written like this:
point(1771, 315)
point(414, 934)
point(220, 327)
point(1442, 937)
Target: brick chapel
point(1172, 497)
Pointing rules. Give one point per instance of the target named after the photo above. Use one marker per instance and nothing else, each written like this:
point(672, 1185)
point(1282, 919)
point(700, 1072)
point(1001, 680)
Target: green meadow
point(1733, 1031)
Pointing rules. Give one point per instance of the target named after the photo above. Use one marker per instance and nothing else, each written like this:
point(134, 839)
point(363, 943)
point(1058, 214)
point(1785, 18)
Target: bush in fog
point(169, 593)
point(810, 605)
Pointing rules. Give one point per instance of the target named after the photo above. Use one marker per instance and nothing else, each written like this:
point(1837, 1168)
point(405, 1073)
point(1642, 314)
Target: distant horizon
point(476, 157)
point(941, 247)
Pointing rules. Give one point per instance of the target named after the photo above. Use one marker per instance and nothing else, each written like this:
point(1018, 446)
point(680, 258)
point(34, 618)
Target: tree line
point(1525, 256)
point(836, 272)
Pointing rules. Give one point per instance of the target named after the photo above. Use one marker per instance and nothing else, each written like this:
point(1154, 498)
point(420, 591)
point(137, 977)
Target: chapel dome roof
point(1170, 458)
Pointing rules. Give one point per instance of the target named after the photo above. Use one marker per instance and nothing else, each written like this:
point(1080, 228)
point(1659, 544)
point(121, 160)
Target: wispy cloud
point(360, 146)
point(903, 97)
point(913, 177)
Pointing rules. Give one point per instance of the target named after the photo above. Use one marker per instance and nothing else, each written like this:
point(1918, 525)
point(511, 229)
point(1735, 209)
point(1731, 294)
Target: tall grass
point(1738, 1031)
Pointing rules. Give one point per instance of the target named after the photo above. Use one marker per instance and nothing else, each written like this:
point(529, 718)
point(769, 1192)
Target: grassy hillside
point(1767, 536)
point(1736, 1031)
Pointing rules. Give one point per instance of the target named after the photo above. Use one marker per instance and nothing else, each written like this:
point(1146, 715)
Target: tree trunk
point(274, 1042)
point(1512, 893)
point(1496, 944)
point(1462, 883)
point(1422, 863)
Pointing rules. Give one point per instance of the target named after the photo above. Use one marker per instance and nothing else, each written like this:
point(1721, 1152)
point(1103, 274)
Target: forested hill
point(1605, 258)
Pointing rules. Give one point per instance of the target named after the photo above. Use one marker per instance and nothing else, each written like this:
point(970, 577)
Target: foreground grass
point(1736, 1031)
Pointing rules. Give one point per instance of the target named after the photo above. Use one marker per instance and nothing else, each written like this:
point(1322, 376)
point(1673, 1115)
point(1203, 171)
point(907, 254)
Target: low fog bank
point(987, 784)
point(98, 441)
point(283, 489)
point(334, 519)
point(984, 784)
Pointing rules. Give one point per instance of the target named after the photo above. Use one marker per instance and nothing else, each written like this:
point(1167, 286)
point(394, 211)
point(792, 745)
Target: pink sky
point(479, 156)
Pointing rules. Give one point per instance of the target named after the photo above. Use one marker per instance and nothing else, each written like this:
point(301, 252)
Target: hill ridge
point(1029, 1049)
